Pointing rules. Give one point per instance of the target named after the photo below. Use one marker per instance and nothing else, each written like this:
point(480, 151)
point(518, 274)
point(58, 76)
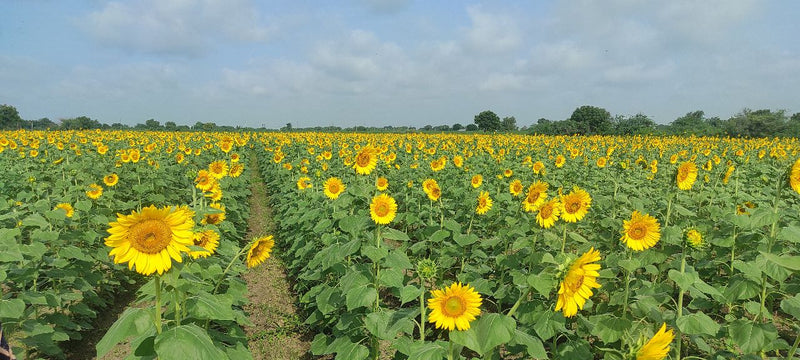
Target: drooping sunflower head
point(484, 203)
point(381, 183)
point(577, 285)
point(150, 239)
point(687, 175)
point(365, 161)
point(515, 187)
point(537, 194)
point(204, 180)
point(641, 232)
point(428, 185)
point(333, 187)
point(435, 194)
point(548, 213)
point(111, 179)
point(67, 207)
point(216, 217)
point(94, 192)
point(657, 347)
point(695, 239)
point(794, 176)
point(476, 181)
point(382, 209)
point(454, 307)
point(218, 169)
point(575, 205)
point(260, 251)
point(207, 239)
point(304, 182)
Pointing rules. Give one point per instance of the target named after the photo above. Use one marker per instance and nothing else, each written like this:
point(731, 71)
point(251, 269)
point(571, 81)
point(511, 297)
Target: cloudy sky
point(394, 62)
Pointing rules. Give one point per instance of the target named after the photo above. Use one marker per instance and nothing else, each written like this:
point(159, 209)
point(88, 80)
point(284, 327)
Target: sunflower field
point(406, 246)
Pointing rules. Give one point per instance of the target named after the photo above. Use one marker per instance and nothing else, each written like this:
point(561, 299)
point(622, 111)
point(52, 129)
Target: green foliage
point(488, 121)
point(591, 120)
point(9, 117)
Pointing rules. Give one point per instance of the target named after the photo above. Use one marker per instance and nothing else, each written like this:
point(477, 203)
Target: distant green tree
point(509, 123)
point(9, 117)
point(170, 126)
point(591, 120)
point(488, 121)
point(457, 127)
point(209, 126)
point(758, 123)
point(632, 125)
point(80, 123)
point(472, 127)
point(152, 124)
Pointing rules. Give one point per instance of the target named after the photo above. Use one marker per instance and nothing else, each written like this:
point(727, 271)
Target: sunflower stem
point(794, 348)
point(669, 209)
point(564, 239)
point(519, 301)
point(771, 242)
point(450, 350)
point(627, 285)
point(158, 303)
point(422, 311)
point(733, 248)
point(680, 306)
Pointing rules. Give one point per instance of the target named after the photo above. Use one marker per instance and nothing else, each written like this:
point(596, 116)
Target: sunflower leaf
point(486, 333)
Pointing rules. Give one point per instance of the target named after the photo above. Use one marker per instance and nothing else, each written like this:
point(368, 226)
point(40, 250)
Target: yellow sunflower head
point(304, 182)
point(578, 283)
point(575, 205)
point(560, 161)
point(94, 192)
point(260, 251)
point(538, 168)
point(381, 183)
point(208, 240)
point(454, 307)
point(695, 238)
point(216, 217)
point(687, 175)
point(548, 213)
point(537, 194)
point(150, 239)
point(484, 203)
point(515, 187)
point(366, 161)
point(476, 181)
point(382, 209)
point(218, 169)
point(657, 348)
point(794, 176)
point(641, 232)
point(333, 187)
point(236, 170)
point(111, 179)
point(67, 207)
point(204, 180)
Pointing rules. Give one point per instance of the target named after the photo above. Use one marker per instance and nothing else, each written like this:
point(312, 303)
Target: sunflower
point(95, 191)
point(560, 161)
point(484, 203)
point(508, 172)
point(641, 232)
point(515, 187)
point(215, 193)
point(66, 207)
point(304, 182)
point(208, 240)
point(333, 187)
point(537, 193)
point(694, 238)
point(381, 184)
point(794, 176)
point(575, 205)
point(548, 214)
point(687, 175)
point(538, 168)
point(428, 185)
point(578, 283)
point(111, 179)
point(365, 161)
point(216, 217)
point(728, 174)
point(236, 170)
point(218, 169)
point(235, 158)
point(204, 181)
point(458, 161)
point(383, 209)
point(454, 307)
point(150, 239)
point(476, 181)
point(657, 347)
point(601, 162)
point(438, 164)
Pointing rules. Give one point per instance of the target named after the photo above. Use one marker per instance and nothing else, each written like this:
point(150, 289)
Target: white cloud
point(182, 27)
point(638, 73)
point(491, 32)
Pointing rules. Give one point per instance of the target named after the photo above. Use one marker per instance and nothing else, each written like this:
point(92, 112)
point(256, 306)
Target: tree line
point(585, 120)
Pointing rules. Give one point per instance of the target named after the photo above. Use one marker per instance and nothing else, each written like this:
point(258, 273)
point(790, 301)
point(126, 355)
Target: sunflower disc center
point(150, 236)
point(638, 231)
point(454, 306)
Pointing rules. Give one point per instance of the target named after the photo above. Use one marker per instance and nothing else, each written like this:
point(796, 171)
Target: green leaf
point(464, 240)
point(544, 283)
point(346, 349)
point(374, 253)
point(452, 225)
point(486, 333)
point(386, 325)
point(186, 342)
point(394, 234)
point(9, 248)
point(630, 265)
point(751, 337)
point(548, 323)
point(684, 280)
point(392, 277)
point(532, 344)
point(35, 220)
point(322, 226)
point(791, 306)
point(12, 309)
point(364, 295)
point(319, 345)
point(438, 236)
point(210, 307)
point(697, 323)
point(397, 259)
point(353, 224)
point(132, 322)
point(790, 233)
point(787, 261)
point(609, 328)
point(409, 293)
point(740, 289)
point(427, 351)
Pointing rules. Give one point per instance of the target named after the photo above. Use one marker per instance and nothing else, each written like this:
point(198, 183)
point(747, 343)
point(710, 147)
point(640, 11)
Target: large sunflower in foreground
point(687, 175)
point(383, 209)
point(366, 161)
point(794, 176)
point(150, 239)
point(260, 251)
point(578, 283)
point(484, 203)
point(657, 347)
point(333, 187)
point(208, 240)
point(454, 307)
point(575, 205)
point(641, 232)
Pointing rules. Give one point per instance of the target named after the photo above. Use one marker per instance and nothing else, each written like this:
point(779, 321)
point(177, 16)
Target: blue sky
point(394, 62)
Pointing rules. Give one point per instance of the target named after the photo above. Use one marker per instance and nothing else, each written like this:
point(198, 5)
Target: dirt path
point(278, 331)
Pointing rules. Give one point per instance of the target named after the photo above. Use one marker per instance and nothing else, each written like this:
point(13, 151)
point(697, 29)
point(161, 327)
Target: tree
point(9, 117)
point(509, 123)
point(170, 126)
point(488, 121)
point(457, 127)
point(152, 124)
point(591, 119)
point(758, 123)
point(80, 123)
point(209, 126)
point(472, 127)
point(636, 124)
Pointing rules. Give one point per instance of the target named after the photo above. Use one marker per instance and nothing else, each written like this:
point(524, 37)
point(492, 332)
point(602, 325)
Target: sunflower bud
point(427, 269)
